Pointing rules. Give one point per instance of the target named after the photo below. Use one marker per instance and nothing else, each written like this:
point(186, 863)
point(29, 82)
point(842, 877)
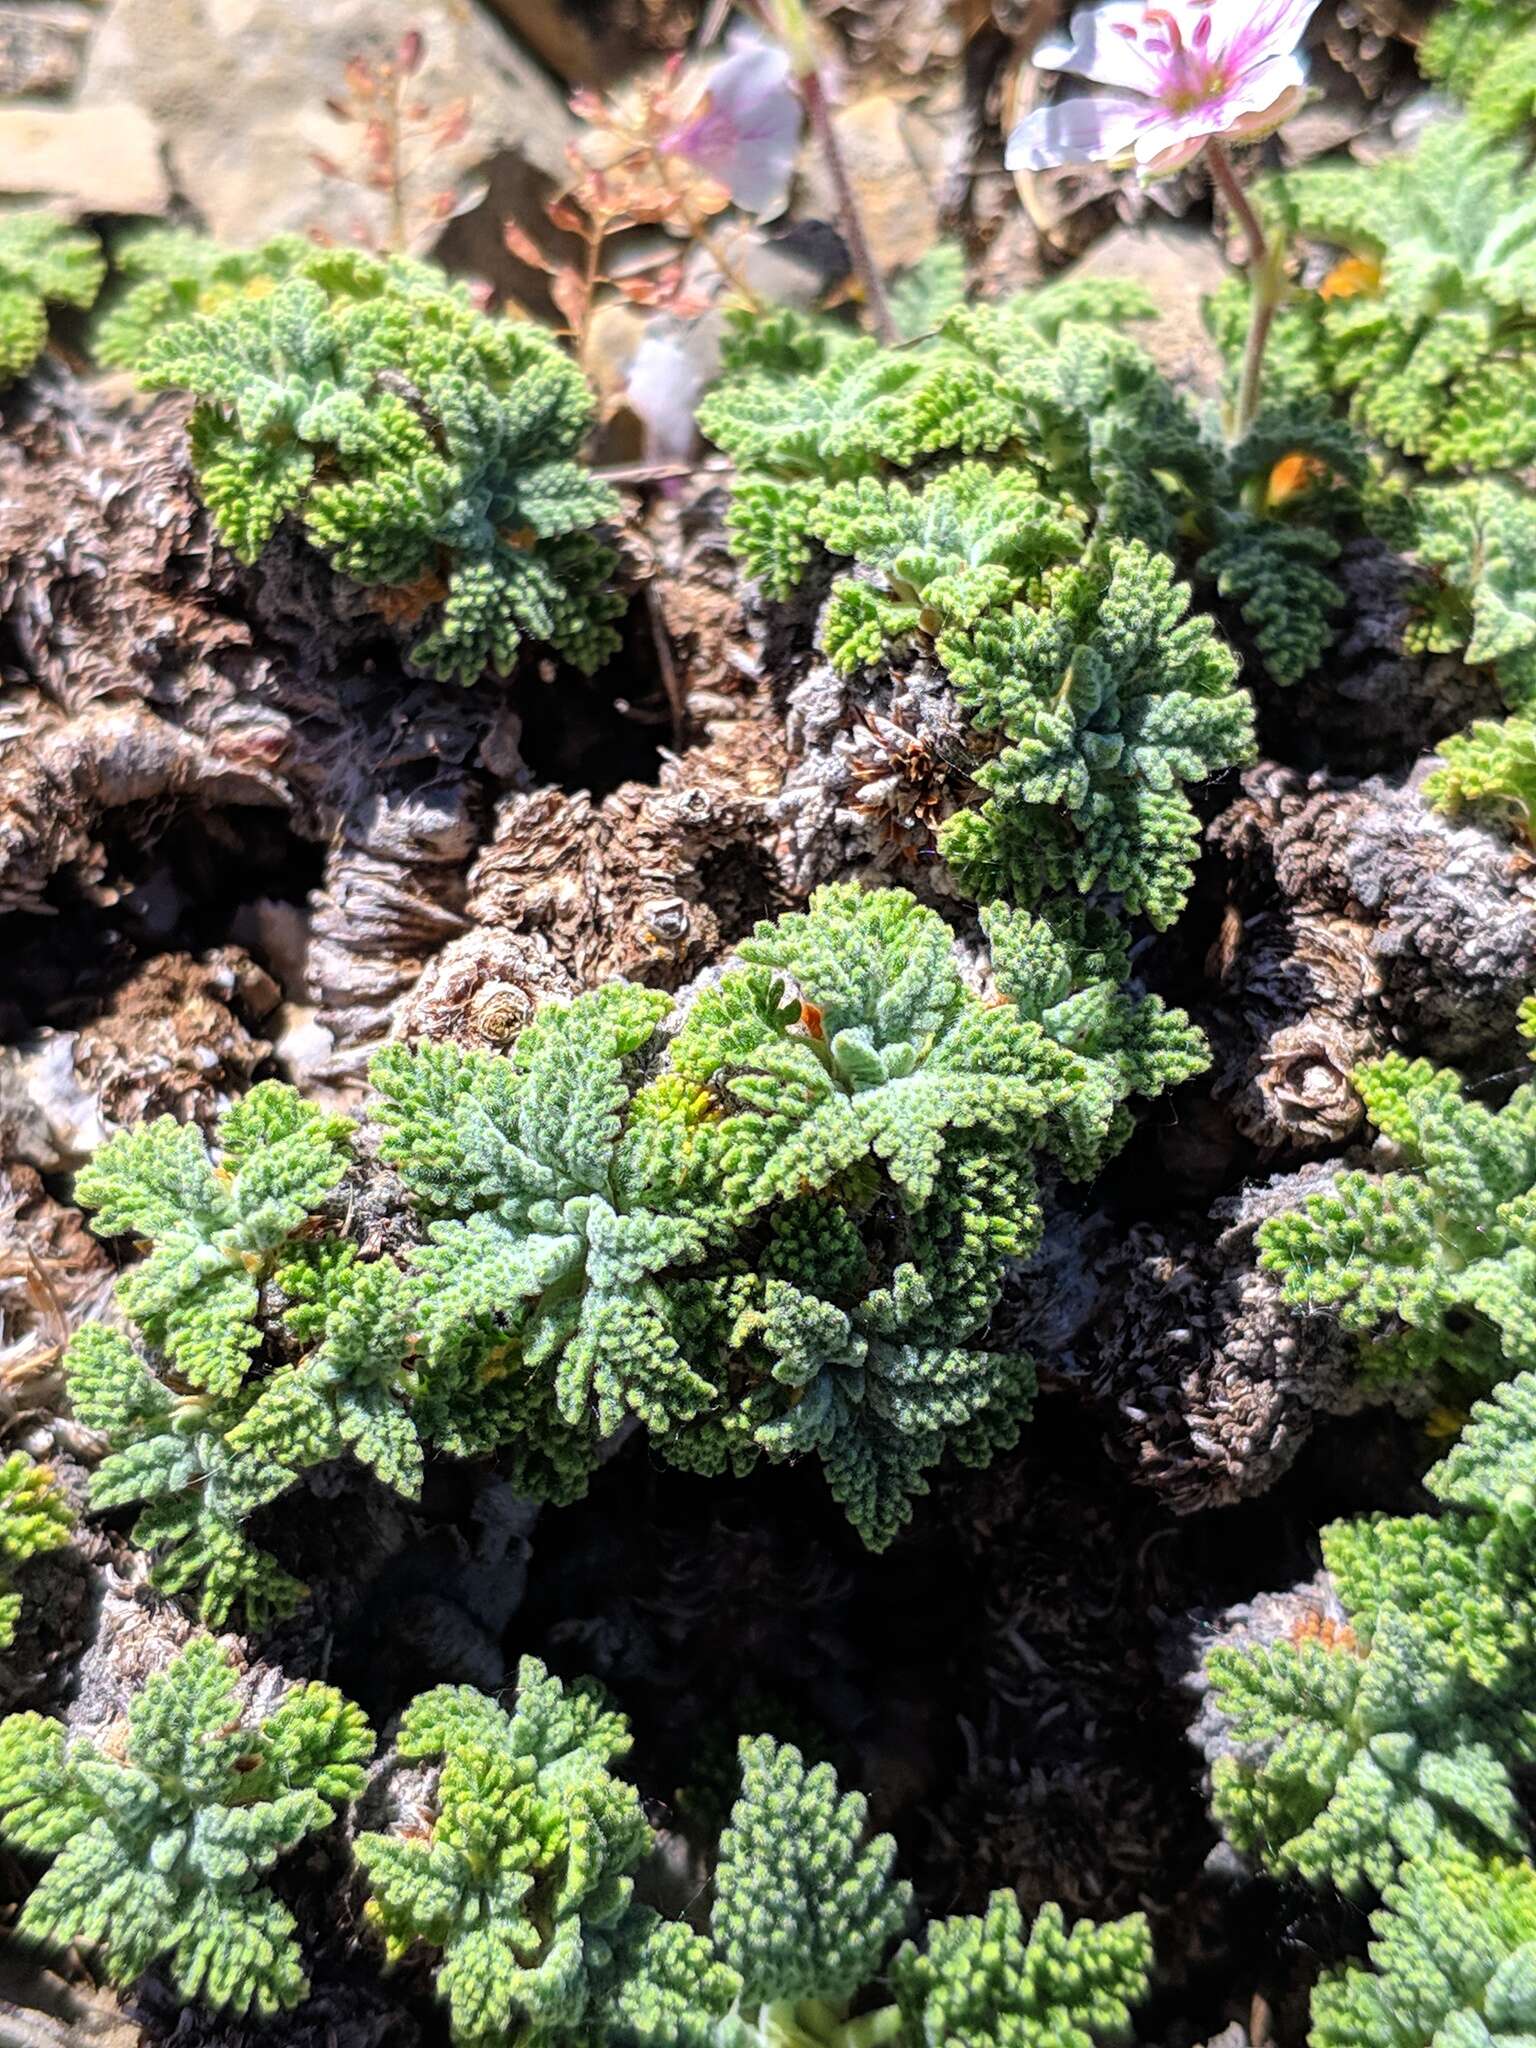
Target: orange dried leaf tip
point(810, 1017)
point(405, 605)
point(1355, 277)
point(1327, 1633)
point(1292, 475)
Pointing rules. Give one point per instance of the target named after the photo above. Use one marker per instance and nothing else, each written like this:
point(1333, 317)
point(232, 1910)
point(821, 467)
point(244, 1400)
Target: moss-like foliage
point(514, 1869)
point(1484, 52)
point(1382, 1756)
point(1293, 491)
point(169, 1448)
point(1383, 1749)
point(524, 1871)
point(775, 1222)
point(1379, 1746)
point(215, 1222)
point(43, 262)
point(806, 1912)
point(1425, 324)
point(1434, 1264)
point(1015, 496)
point(783, 1236)
point(427, 451)
point(263, 1348)
point(160, 1835)
point(164, 275)
point(982, 1980)
point(1105, 698)
point(1489, 773)
point(1046, 381)
point(1477, 542)
point(1453, 1949)
point(34, 1518)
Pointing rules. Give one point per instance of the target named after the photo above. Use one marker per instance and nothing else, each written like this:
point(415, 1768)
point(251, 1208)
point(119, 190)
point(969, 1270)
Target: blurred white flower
point(666, 380)
point(744, 130)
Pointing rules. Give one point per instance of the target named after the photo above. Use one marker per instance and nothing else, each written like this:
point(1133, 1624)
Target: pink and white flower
point(744, 130)
point(1186, 73)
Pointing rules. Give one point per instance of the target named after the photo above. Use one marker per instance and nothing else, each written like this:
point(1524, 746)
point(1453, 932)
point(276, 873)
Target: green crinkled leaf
point(1493, 1466)
point(421, 447)
point(1107, 699)
point(43, 261)
point(1453, 1948)
point(890, 1052)
point(980, 1980)
point(667, 1987)
point(1431, 350)
point(967, 542)
point(804, 1906)
point(159, 1837)
point(212, 1227)
point(35, 1517)
point(1478, 539)
point(526, 1863)
point(1432, 1261)
point(351, 1392)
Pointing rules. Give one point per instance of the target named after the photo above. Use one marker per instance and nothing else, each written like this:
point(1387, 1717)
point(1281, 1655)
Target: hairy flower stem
point(1265, 264)
point(734, 276)
point(849, 218)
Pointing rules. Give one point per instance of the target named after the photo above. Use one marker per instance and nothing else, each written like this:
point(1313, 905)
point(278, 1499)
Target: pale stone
point(102, 160)
point(236, 91)
point(895, 160)
point(1179, 265)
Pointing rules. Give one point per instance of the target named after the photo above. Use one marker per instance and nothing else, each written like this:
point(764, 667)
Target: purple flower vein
point(1185, 73)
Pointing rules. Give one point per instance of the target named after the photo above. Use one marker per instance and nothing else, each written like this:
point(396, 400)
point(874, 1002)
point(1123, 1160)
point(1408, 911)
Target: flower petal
point(1264, 96)
point(1273, 28)
point(1171, 158)
point(662, 391)
point(746, 132)
point(1254, 127)
point(1170, 141)
point(1256, 104)
point(1100, 45)
point(1079, 131)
